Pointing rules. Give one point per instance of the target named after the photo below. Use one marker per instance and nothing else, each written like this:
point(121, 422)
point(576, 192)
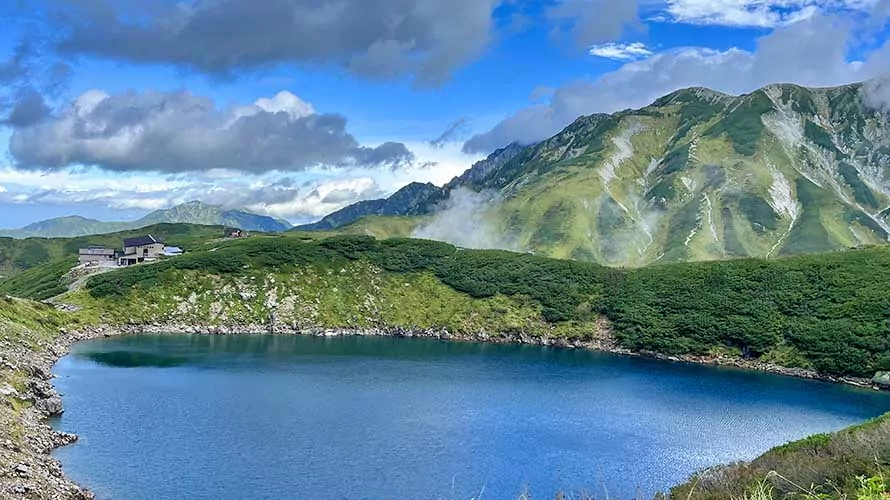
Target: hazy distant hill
point(697, 175)
point(188, 213)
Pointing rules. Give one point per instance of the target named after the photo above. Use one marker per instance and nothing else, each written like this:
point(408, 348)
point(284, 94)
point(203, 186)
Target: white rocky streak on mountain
point(783, 203)
point(788, 126)
point(709, 210)
point(624, 150)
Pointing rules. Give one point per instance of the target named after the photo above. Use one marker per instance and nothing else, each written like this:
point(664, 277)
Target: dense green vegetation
point(826, 312)
point(861, 191)
point(819, 136)
point(759, 212)
point(41, 282)
point(809, 234)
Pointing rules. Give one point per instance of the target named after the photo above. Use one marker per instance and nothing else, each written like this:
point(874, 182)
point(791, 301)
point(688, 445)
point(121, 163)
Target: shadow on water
point(132, 359)
point(167, 351)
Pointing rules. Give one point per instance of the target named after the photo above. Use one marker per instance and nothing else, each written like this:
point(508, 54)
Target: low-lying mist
point(465, 220)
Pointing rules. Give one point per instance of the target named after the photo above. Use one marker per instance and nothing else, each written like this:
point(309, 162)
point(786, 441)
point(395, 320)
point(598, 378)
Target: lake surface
point(198, 417)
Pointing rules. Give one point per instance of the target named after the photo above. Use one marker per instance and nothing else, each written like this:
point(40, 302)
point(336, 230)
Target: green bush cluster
point(819, 136)
point(41, 282)
point(830, 309)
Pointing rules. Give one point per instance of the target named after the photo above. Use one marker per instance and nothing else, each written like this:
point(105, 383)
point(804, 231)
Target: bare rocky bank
point(28, 471)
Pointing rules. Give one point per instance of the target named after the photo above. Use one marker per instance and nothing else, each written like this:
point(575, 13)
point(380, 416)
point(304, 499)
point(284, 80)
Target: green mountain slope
point(189, 213)
point(413, 199)
point(698, 175)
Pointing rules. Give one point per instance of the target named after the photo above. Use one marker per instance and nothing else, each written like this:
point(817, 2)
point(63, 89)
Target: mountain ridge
point(696, 175)
point(193, 212)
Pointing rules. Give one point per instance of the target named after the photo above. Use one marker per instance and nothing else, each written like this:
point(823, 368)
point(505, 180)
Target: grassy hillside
point(353, 281)
point(824, 312)
point(17, 255)
point(36, 268)
point(42, 282)
point(850, 464)
point(382, 227)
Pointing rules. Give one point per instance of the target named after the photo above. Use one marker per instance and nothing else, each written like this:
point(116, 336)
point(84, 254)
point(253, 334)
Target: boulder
point(50, 406)
point(22, 470)
point(882, 379)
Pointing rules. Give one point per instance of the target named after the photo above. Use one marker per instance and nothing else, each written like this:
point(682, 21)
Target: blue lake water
point(262, 417)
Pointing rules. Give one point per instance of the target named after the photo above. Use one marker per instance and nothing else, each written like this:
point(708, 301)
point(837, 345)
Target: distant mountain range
point(697, 175)
point(190, 213)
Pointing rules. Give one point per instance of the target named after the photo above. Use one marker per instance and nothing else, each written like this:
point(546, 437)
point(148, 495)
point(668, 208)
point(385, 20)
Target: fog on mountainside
point(465, 220)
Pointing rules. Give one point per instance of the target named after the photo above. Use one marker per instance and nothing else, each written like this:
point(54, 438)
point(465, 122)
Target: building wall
point(153, 250)
point(84, 259)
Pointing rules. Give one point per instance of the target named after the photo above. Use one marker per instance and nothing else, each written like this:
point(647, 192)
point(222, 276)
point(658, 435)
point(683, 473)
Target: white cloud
point(621, 51)
point(321, 199)
point(756, 13)
point(176, 132)
point(299, 197)
point(283, 101)
point(748, 13)
point(287, 102)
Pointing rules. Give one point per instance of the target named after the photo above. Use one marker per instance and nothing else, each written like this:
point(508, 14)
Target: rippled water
point(170, 417)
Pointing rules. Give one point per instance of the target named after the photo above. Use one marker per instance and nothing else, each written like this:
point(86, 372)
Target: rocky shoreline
point(30, 472)
point(27, 468)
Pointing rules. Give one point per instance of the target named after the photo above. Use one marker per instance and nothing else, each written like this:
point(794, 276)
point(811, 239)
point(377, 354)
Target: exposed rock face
point(882, 380)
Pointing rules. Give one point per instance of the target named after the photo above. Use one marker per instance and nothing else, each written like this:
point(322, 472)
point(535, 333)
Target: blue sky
point(295, 108)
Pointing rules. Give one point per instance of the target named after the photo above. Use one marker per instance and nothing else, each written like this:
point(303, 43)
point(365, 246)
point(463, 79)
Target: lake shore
point(602, 341)
point(30, 471)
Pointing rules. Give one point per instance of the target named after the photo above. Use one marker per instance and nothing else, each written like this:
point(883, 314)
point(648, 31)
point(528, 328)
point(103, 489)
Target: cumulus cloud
point(29, 109)
point(27, 76)
point(812, 52)
point(180, 132)
point(876, 93)
point(427, 39)
point(621, 51)
point(591, 22)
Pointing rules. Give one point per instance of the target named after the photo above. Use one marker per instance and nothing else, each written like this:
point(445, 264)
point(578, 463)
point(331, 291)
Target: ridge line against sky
point(296, 108)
